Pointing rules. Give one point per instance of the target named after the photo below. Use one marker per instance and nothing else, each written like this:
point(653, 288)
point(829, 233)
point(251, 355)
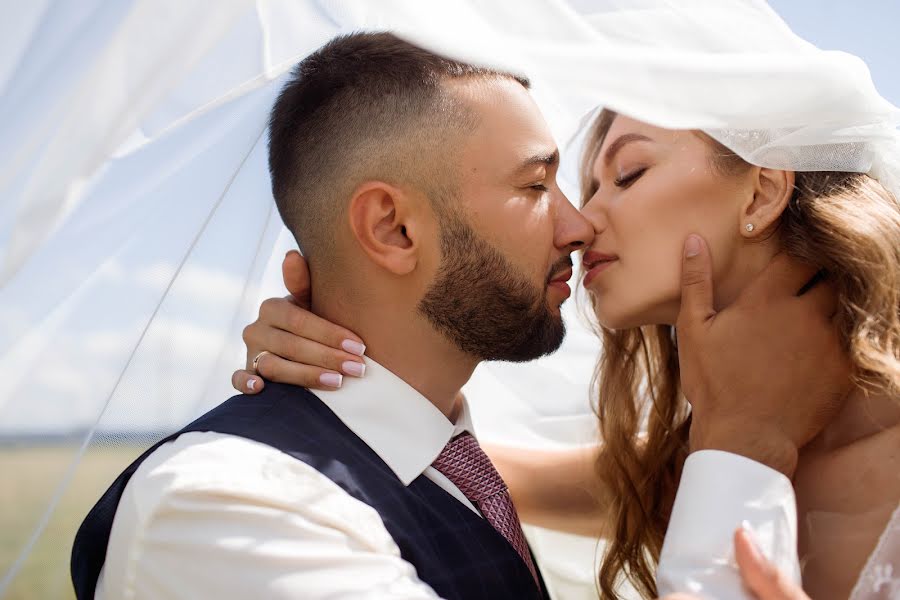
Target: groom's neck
point(405, 344)
point(436, 372)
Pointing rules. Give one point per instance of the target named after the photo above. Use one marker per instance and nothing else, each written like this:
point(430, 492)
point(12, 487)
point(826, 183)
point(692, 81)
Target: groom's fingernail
point(692, 246)
point(353, 347)
point(354, 368)
point(331, 379)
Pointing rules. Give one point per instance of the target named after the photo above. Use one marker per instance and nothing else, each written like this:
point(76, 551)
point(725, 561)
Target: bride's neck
point(863, 415)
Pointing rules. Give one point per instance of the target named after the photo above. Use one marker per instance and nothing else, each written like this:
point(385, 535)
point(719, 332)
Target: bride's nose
point(595, 214)
point(573, 231)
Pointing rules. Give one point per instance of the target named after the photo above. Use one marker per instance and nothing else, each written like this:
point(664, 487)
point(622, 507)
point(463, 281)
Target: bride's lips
point(560, 282)
point(595, 263)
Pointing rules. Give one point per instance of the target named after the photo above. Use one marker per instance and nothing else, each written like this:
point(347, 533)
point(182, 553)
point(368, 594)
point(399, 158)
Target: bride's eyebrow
point(620, 142)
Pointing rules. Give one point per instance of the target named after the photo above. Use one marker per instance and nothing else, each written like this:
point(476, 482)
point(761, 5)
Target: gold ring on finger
point(256, 361)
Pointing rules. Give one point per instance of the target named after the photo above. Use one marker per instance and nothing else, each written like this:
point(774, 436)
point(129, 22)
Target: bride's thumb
point(760, 576)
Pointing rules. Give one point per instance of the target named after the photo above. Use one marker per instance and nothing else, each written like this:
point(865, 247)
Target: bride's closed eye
point(624, 181)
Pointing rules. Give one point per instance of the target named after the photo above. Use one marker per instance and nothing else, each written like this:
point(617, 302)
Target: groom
point(423, 194)
point(393, 168)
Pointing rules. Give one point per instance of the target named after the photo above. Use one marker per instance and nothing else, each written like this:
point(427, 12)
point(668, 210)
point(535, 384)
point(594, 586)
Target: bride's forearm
point(557, 489)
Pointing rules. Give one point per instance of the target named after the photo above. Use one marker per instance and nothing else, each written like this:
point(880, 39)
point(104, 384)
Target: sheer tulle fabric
point(138, 233)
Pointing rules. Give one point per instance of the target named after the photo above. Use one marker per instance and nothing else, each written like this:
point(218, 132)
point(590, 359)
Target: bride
point(644, 189)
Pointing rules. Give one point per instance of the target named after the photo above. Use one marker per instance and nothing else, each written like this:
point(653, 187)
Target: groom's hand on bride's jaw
point(301, 348)
point(765, 374)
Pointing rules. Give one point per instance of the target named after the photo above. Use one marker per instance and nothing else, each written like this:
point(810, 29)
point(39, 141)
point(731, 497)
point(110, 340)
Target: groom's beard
point(484, 305)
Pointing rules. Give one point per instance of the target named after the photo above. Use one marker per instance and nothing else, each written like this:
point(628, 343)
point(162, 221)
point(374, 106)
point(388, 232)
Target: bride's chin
point(618, 320)
point(614, 321)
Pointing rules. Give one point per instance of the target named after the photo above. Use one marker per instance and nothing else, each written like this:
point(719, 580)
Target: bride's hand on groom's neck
point(300, 347)
point(765, 374)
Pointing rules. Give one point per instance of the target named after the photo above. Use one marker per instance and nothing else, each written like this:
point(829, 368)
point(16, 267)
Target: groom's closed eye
point(539, 169)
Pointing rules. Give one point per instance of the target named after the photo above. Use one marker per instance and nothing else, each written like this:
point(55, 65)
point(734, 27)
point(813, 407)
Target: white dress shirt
point(719, 492)
point(210, 515)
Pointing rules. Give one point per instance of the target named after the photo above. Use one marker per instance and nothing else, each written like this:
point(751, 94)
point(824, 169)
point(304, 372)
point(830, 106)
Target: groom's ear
point(383, 220)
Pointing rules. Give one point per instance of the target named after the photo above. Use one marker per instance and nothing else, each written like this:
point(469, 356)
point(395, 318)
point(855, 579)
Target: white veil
point(138, 234)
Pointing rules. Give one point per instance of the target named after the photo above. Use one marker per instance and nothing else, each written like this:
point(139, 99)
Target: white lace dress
point(880, 579)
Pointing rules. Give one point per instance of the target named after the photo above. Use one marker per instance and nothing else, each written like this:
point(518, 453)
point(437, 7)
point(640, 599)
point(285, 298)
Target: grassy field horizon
point(30, 474)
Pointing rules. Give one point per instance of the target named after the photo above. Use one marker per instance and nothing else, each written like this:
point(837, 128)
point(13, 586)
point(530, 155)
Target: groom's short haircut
point(365, 106)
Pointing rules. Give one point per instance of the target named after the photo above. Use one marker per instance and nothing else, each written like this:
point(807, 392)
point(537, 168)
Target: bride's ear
point(772, 190)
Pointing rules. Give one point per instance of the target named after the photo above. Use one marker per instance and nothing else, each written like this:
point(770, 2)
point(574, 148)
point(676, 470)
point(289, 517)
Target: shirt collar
point(401, 425)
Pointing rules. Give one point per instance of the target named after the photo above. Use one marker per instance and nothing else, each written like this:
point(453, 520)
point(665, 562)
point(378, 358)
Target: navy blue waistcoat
point(454, 551)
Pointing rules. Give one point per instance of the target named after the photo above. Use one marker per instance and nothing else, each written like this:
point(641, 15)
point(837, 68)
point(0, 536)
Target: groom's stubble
point(483, 303)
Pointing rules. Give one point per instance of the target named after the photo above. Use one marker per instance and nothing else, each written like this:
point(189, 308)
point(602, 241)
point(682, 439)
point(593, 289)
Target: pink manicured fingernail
point(353, 368)
point(251, 383)
point(331, 379)
point(353, 347)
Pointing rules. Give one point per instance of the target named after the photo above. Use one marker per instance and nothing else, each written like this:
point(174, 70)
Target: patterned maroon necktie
point(465, 464)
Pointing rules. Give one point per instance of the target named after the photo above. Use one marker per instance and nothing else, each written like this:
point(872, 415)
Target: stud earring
point(749, 227)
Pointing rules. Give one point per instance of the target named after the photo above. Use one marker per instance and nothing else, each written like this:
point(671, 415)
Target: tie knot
point(463, 462)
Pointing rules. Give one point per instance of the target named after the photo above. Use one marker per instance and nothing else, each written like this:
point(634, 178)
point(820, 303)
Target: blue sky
point(867, 28)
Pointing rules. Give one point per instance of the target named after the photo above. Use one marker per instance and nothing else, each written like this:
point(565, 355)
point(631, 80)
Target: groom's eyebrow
point(548, 159)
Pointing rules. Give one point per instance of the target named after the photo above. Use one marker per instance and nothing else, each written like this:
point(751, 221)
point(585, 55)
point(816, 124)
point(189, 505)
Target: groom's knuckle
point(691, 277)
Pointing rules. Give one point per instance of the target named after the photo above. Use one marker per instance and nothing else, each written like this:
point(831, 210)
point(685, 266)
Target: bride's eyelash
point(627, 180)
point(539, 187)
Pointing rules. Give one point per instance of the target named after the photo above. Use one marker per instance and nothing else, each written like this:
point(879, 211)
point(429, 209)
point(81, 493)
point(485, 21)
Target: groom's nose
point(573, 231)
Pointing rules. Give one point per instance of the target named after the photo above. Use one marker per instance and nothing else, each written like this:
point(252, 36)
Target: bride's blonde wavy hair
point(844, 223)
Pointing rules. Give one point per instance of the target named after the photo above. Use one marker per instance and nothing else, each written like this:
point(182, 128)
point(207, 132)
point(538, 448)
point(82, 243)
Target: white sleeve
point(217, 516)
point(718, 492)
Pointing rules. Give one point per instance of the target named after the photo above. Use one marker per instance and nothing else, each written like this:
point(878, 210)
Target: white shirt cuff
point(718, 492)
